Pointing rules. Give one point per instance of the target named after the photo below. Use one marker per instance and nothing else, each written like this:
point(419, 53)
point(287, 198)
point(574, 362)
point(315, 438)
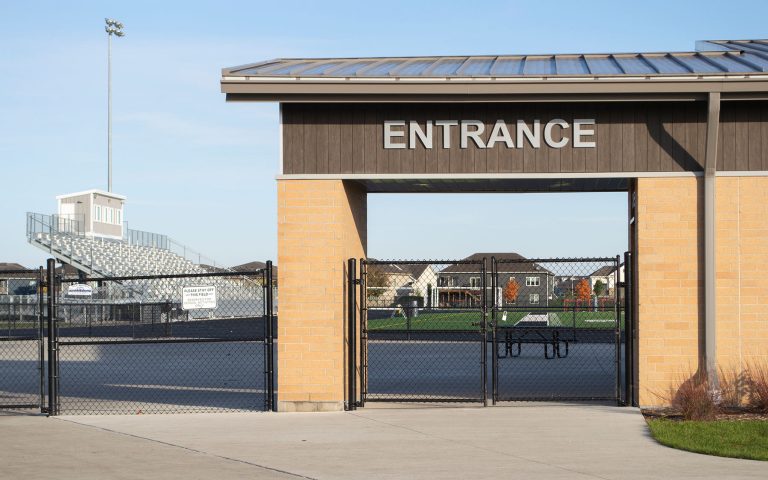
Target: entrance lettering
point(556, 133)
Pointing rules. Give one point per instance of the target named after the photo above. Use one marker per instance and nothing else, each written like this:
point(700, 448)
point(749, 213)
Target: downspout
point(710, 168)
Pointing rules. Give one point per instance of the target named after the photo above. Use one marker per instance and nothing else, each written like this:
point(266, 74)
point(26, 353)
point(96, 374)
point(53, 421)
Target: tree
point(376, 282)
point(599, 288)
point(583, 292)
point(511, 290)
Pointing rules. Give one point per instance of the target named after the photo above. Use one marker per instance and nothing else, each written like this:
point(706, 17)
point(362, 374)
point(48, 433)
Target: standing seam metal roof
point(711, 58)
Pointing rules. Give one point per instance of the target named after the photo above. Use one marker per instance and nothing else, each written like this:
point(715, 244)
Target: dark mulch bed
point(733, 414)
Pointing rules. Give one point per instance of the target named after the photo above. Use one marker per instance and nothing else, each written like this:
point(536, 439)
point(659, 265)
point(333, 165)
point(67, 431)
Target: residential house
point(460, 285)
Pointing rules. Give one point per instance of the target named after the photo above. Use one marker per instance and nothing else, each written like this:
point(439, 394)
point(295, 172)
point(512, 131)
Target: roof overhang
point(427, 90)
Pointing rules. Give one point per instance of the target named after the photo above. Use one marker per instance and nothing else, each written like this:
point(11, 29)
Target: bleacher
point(137, 254)
point(102, 257)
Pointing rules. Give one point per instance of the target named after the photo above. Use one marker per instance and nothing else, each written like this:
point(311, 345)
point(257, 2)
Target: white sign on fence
point(79, 290)
point(195, 298)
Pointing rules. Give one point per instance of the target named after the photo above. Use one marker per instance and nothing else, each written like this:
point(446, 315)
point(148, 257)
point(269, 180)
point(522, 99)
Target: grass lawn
point(463, 320)
point(724, 438)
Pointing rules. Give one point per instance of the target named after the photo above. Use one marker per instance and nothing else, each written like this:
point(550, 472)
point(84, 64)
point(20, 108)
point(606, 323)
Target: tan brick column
point(670, 248)
point(742, 271)
point(321, 223)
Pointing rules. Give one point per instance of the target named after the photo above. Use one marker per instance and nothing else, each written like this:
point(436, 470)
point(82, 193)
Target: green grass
point(463, 320)
point(724, 438)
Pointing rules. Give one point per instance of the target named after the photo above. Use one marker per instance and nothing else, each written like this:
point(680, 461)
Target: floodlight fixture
point(113, 27)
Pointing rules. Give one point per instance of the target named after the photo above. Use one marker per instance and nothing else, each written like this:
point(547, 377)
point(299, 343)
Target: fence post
point(41, 335)
point(628, 331)
point(494, 357)
point(270, 338)
point(363, 355)
point(53, 366)
point(484, 332)
point(617, 313)
point(351, 333)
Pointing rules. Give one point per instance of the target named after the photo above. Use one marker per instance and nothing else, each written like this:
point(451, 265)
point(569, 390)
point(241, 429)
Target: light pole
point(113, 28)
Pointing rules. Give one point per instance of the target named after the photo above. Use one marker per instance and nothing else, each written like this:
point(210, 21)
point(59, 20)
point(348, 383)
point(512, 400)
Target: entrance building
point(684, 134)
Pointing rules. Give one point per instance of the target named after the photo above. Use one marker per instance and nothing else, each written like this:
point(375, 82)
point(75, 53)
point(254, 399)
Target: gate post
point(628, 331)
point(484, 332)
point(41, 335)
point(363, 355)
point(53, 354)
point(351, 334)
point(270, 338)
point(494, 355)
point(617, 330)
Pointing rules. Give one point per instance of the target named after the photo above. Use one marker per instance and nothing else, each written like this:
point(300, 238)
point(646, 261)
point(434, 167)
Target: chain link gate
point(163, 344)
point(22, 369)
point(423, 336)
point(543, 329)
point(556, 325)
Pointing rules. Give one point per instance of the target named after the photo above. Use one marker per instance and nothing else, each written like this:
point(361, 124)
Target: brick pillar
point(321, 223)
point(742, 263)
point(670, 248)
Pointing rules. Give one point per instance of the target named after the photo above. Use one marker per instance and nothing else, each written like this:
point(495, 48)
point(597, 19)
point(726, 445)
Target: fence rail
point(540, 329)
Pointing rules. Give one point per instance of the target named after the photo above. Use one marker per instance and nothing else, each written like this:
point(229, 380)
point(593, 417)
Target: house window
point(532, 281)
point(474, 282)
point(533, 298)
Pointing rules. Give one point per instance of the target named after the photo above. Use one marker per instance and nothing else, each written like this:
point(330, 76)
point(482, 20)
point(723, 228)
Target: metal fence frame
point(488, 329)
point(37, 337)
point(55, 342)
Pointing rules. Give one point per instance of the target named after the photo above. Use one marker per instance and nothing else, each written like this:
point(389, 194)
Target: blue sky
point(202, 170)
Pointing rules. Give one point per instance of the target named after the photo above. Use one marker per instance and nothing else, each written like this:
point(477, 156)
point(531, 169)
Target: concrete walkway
point(521, 441)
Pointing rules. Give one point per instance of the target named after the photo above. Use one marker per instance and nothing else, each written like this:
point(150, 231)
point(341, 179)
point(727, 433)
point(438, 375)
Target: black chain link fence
point(556, 325)
point(519, 329)
point(165, 344)
point(21, 342)
point(422, 331)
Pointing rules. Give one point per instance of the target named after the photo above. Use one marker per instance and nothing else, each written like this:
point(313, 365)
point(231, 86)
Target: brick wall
point(670, 282)
point(321, 223)
point(742, 271)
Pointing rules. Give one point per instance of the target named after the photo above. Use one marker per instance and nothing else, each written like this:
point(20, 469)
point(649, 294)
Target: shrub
point(730, 393)
point(758, 387)
point(694, 399)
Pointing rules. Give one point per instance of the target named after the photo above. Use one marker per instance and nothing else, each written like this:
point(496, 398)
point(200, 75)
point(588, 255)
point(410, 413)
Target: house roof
point(517, 264)
point(254, 266)
point(11, 267)
point(412, 269)
point(604, 271)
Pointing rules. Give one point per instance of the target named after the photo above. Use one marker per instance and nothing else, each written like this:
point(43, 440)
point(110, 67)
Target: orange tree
point(511, 290)
point(583, 292)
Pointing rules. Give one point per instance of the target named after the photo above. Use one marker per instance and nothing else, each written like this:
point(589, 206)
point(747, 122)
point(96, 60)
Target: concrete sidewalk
point(522, 441)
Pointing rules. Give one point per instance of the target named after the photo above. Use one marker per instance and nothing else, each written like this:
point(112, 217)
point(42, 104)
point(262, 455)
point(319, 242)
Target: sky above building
point(203, 171)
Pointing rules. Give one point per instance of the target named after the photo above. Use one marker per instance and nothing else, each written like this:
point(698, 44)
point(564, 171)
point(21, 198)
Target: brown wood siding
point(630, 137)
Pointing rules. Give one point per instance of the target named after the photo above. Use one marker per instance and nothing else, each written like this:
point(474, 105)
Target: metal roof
point(712, 58)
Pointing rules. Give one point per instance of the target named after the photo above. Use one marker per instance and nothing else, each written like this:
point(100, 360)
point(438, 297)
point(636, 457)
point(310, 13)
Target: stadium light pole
point(113, 27)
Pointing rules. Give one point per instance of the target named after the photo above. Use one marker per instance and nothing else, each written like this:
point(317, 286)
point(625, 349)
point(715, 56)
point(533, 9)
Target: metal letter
point(499, 133)
point(415, 130)
point(474, 135)
point(446, 126)
point(579, 132)
point(533, 136)
point(389, 134)
point(548, 133)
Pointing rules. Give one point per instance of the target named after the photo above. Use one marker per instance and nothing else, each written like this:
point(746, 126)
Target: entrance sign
point(555, 133)
point(79, 290)
point(197, 298)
